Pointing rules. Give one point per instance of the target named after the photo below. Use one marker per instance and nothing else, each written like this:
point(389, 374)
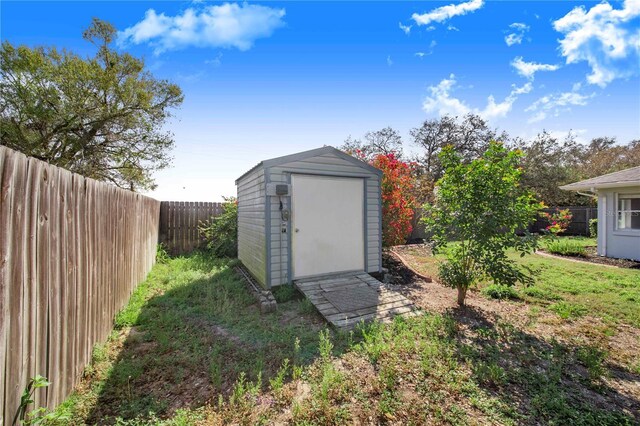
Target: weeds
point(285, 293)
point(277, 382)
point(162, 255)
point(593, 359)
point(568, 310)
point(37, 415)
point(498, 291)
point(192, 334)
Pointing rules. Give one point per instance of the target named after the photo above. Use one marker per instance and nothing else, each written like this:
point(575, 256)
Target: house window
point(629, 211)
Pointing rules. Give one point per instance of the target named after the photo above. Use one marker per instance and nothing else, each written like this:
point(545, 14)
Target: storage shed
point(309, 214)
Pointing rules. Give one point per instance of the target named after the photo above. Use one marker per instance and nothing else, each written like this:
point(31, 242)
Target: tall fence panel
point(179, 221)
point(72, 250)
point(579, 224)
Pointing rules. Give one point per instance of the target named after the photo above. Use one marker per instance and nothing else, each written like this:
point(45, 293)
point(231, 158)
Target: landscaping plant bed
point(399, 273)
point(591, 255)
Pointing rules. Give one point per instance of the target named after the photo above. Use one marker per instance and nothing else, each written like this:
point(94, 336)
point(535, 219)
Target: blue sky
point(264, 79)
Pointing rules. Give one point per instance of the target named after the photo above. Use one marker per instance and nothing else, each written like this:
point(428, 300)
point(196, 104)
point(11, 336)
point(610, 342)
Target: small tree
point(398, 201)
point(559, 221)
point(478, 208)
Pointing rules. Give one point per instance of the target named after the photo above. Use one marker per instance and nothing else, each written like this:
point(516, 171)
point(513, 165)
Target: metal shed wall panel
point(251, 224)
point(325, 164)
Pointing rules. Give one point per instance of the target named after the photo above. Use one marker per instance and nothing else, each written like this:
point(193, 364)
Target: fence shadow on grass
point(192, 339)
point(552, 382)
point(198, 331)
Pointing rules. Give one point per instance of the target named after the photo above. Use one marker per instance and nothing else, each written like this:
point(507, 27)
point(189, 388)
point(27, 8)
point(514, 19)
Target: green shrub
point(566, 247)
point(500, 291)
point(593, 228)
point(221, 233)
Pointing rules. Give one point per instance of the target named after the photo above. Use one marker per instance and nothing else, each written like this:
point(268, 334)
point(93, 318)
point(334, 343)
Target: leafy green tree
point(100, 116)
point(605, 155)
point(548, 163)
point(469, 135)
point(479, 206)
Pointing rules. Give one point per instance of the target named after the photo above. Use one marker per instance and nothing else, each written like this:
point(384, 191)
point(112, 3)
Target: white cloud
point(405, 28)
point(555, 104)
point(389, 61)
point(606, 38)
point(444, 13)
point(517, 35)
point(190, 77)
point(528, 69)
point(423, 54)
point(441, 102)
point(451, 28)
point(216, 62)
point(227, 25)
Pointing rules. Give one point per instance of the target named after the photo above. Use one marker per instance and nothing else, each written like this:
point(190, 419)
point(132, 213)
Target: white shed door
point(327, 224)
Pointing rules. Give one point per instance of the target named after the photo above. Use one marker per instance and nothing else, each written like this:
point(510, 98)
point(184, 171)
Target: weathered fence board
point(72, 250)
point(179, 221)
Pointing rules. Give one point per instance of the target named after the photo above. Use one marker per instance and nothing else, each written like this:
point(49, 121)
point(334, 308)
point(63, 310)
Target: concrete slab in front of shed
point(349, 298)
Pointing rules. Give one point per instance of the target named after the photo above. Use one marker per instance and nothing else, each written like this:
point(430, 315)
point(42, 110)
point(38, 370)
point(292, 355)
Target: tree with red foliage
point(398, 201)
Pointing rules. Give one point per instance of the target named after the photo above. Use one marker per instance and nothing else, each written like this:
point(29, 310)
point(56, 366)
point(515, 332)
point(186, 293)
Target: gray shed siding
point(623, 244)
point(325, 164)
point(262, 246)
point(251, 224)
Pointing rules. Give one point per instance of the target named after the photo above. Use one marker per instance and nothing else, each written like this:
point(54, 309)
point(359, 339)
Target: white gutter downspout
point(588, 194)
point(604, 226)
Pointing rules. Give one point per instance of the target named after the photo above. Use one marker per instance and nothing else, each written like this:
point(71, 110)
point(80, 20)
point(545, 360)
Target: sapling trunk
point(462, 292)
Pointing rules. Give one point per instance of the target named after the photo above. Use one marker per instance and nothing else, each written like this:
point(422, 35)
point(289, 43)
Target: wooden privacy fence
point(179, 221)
point(579, 223)
point(71, 252)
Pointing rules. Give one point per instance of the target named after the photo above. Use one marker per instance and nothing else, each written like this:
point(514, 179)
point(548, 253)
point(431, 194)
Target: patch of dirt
point(398, 273)
point(593, 257)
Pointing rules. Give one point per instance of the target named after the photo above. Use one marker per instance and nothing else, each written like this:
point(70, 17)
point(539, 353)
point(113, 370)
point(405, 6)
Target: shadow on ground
point(549, 381)
point(194, 336)
point(198, 330)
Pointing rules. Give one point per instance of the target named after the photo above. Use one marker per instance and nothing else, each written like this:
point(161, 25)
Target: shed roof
point(308, 154)
point(623, 178)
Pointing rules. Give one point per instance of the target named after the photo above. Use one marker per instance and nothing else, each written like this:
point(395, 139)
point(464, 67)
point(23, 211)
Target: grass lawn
point(569, 288)
point(189, 332)
point(192, 348)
